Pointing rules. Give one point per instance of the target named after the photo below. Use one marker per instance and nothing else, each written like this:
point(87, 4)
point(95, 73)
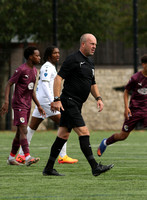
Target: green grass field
point(126, 181)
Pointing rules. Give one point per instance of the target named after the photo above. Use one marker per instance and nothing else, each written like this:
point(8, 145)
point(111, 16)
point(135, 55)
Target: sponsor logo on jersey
point(125, 127)
point(142, 91)
point(22, 120)
point(31, 86)
point(45, 74)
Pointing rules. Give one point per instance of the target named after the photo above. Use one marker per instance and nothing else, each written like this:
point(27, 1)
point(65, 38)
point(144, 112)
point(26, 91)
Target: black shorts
point(71, 116)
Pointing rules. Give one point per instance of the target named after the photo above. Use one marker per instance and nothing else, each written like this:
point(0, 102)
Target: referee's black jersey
point(78, 72)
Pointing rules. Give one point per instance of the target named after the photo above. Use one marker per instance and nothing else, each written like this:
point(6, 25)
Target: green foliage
point(142, 16)
point(106, 19)
point(122, 21)
point(24, 18)
point(126, 181)
point(78, 17)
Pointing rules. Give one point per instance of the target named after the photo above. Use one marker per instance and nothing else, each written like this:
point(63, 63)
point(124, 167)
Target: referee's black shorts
point(71, 116)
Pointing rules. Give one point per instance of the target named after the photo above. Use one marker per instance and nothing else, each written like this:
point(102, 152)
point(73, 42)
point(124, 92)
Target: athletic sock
point(15, 147)
point(30, 133)
point(11, 157)
point(63, 150)
point(21, 151)
point(27, 157)
point(55, 150)
point(110, 140)
point(87, 151)
point(25, 147)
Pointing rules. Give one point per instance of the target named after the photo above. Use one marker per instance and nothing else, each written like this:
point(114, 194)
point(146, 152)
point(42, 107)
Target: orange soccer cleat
point(66, 159)
point(20, 159)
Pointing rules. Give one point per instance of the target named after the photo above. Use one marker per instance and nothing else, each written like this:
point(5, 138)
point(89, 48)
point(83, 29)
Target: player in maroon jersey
point(24, 79)
point(137, 109)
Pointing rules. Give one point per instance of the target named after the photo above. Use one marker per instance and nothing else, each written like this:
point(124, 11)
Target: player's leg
point(15, 146)
point(29, 160)
point(84, 139)
point(34, 123)
point(63, 157)
point(60, 140)
point(127, 127)
point(20, 118)
point(112, 139)
point(30, 131)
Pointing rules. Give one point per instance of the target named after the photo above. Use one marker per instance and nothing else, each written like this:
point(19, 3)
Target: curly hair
point(29, 51)
point(48, 52)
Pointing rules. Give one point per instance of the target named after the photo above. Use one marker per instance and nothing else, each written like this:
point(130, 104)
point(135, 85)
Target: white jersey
point(44, 91)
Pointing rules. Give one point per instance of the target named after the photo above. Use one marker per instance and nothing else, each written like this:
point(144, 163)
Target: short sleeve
point(67, 67)
point(15, 77)
point(130, 84)
point(45, 73)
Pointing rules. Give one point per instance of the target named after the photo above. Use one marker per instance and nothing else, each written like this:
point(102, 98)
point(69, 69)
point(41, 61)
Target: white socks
point(63, 150)
point(29, 137)
point(27, 158)
point(11, 157)
point(30, 134)
point(105, 143)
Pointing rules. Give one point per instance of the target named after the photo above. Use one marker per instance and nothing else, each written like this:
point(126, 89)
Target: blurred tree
point(78, 17)
point(105, 19)
point(25, 18)
point(122, 22)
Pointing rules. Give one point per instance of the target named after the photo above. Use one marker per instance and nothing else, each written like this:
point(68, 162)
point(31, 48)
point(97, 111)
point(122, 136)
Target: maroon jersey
point(138, 85)
point(24, 79)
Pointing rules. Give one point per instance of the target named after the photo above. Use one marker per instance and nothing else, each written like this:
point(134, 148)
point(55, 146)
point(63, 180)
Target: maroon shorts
point(130, 124)
point(21, 117)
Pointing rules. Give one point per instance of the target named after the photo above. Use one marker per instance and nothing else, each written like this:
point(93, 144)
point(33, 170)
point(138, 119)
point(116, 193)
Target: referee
point(79, 80)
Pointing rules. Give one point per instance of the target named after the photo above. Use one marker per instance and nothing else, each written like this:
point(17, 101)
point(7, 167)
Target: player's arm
point(5, 106)
point(95, 93)
point(127, 111)
point(56, 105)
point(42, 112)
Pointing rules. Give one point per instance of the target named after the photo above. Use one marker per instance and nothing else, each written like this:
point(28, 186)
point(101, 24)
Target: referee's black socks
point(55, 150)
point(87, 151)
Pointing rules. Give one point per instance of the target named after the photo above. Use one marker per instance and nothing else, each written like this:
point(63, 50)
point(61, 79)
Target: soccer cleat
point(101, 169)
point(31, 161)
point(13, 162)
point(20, 159)
point(101, 148)
point(51, 172)
point(66, 159)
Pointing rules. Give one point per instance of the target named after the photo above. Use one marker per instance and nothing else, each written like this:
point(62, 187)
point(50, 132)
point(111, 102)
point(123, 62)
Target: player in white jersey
point(45, 96)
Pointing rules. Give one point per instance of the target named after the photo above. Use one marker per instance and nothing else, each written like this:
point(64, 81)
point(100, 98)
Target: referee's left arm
point(95, 93)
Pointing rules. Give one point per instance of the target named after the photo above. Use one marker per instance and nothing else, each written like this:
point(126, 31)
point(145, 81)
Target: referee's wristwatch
point(98, 98)
point(56, 99)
